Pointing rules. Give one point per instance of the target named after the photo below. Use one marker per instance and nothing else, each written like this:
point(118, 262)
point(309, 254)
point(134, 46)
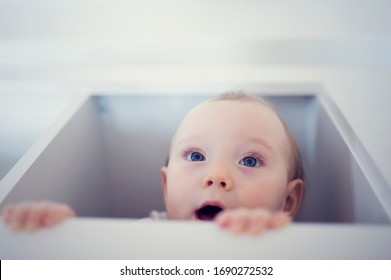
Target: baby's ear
point(294, 196)
point(163, 180)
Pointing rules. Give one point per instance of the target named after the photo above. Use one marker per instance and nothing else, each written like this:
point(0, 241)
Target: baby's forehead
point(234, 109)
point(233, 115)
point(211, 105)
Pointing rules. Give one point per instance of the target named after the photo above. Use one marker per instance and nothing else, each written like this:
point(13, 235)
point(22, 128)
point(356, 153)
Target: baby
point(232, 160)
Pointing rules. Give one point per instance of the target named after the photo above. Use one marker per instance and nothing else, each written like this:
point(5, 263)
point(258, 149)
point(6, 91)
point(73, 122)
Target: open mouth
point(208, 212)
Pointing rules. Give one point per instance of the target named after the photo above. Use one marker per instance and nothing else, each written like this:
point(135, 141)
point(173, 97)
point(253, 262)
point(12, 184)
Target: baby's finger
point(223, 219)
point(17, 220)
point(7, 214)
point(259, 222)
point(279, 219)
point(239, 223)
point(35, 216)
point(55, 213)
point(229, 220)
point(237, 220)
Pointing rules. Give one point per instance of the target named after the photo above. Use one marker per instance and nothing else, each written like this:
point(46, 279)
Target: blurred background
point(52, 51)
point(85, 40)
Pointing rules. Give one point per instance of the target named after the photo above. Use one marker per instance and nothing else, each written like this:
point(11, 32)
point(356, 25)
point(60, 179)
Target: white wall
point(58, 35)
point(153, 20)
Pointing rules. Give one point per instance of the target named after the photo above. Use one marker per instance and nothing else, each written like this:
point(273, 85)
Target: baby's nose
point(218, 178)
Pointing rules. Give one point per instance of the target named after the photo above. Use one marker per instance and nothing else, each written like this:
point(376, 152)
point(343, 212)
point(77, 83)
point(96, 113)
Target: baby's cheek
point(174, 208)
point(261, 198)
point(177, 203)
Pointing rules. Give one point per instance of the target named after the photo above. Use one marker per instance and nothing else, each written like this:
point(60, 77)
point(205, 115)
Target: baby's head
point(229, 152)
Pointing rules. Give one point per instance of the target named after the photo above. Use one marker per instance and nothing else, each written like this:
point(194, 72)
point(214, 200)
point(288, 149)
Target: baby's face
point(226, 154)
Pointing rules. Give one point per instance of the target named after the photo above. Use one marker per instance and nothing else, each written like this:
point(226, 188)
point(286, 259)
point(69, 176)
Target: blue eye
point(249, 161)
point(195, 156)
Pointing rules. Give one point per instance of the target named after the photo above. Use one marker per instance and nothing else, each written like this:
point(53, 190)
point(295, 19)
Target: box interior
point(106, 160)
point(23, 119)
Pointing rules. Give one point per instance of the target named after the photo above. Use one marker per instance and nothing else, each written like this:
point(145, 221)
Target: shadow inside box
point(104, 159)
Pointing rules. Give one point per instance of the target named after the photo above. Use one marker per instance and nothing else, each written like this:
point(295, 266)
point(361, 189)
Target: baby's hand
point(34, 215)
point(253, 221)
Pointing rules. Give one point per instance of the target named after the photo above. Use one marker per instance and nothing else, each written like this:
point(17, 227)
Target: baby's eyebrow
point(189, 138)
point(261, 141)
point(251, 139)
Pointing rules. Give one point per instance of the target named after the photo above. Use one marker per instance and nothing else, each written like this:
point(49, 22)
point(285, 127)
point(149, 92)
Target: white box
point(105, 159)
point(104, 155)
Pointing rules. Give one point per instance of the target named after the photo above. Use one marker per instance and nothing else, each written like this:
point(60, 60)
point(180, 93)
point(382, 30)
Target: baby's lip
point(208, 210)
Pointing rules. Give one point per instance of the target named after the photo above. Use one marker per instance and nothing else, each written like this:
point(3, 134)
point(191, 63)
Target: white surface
point(131, 239)
point(76, 134)
point(23, 119)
